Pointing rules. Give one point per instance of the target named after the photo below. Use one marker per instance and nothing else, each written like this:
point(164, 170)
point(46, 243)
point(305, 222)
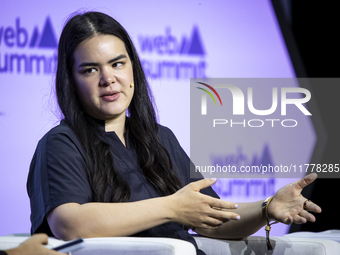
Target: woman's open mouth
point(110, 96)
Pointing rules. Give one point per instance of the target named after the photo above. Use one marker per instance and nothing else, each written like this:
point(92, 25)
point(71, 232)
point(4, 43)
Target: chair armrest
point(257, 245)
point(136, 245)
point(332, 234)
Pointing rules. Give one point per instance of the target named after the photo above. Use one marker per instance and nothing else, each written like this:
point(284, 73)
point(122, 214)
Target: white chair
point(323, 243)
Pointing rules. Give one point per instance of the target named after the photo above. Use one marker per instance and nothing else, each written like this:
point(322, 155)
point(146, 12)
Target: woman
point(100, 173)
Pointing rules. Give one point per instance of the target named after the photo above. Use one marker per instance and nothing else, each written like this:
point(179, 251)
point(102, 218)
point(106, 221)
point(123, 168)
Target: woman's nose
point(107, 77)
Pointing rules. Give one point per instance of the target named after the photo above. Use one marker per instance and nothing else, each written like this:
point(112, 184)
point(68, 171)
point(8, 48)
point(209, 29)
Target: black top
point(57, 176)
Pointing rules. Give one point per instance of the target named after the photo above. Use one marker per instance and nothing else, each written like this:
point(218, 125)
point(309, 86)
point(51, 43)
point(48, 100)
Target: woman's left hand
point(287, 205)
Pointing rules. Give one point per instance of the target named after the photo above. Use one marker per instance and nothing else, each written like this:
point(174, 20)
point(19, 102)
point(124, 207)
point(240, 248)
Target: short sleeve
point(181, 160)
point(57, 176)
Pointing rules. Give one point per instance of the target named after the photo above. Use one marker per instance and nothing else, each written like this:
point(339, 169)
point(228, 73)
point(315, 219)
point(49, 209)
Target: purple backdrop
point(176, 40)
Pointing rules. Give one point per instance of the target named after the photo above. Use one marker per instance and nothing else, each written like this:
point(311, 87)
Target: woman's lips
point(111, 96)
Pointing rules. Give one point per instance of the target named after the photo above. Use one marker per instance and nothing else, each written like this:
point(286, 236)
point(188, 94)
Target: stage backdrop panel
point(176, 41)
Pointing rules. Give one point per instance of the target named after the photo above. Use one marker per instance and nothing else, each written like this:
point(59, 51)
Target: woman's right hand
point(191, 208)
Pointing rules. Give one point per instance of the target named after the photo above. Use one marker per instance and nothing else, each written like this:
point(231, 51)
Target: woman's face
point(103, 75)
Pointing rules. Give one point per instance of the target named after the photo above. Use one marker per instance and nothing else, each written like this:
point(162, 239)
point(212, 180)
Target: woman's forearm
point(187, 207)
point(72, 220)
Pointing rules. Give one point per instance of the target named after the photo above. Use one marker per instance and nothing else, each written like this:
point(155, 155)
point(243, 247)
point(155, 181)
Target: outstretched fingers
point(222, 210)
point(299, 220)
point(220, 204)
point(308, 179)
point(195, 209)
point(202, 184)
point(312, 207)
point(308, 216)
point(304, 215)
point(215, 218)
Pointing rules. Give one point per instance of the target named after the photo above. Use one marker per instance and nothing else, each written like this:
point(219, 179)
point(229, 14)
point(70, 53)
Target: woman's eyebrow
point(117, 58)
point(97, 64)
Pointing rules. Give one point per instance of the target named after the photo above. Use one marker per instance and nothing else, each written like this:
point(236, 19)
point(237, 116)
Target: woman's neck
point(118, 126)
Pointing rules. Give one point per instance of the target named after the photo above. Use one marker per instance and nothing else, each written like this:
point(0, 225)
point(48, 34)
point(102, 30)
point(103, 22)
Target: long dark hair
point(106, 183)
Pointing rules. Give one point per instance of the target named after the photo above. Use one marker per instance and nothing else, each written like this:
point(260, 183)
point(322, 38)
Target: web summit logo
point(27, 52)
point(168, 57)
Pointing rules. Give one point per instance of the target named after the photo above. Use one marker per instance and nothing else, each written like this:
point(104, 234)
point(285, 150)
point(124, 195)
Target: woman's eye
point(117, 64)
point(90, 70)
